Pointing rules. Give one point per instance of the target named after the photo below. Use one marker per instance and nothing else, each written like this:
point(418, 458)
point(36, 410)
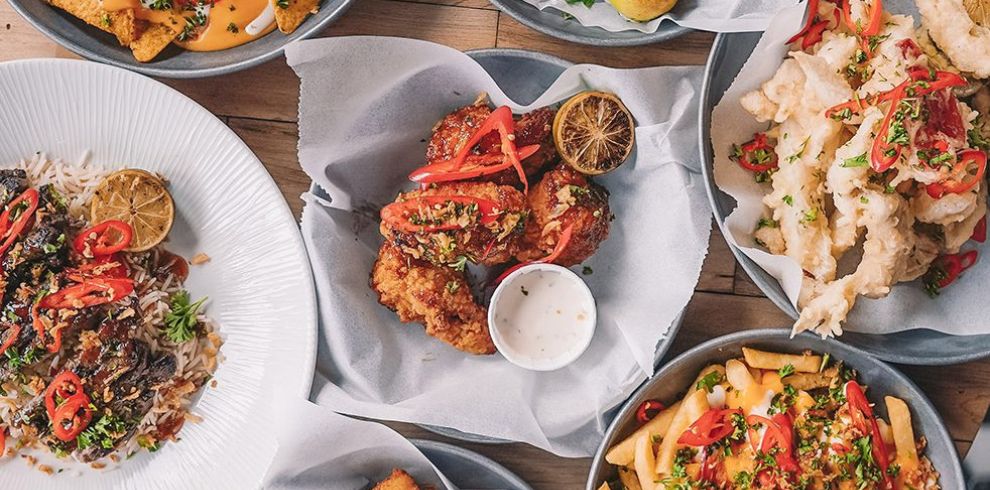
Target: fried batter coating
point(533, 128)
point(490, 244)
point(438, 297)
point(565, 197)
point(398, 480)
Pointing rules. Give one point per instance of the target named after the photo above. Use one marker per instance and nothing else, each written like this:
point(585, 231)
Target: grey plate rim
point(304, 31)
point(539, 20)
point(886, 347)
point(496, 469)
point(856, 357)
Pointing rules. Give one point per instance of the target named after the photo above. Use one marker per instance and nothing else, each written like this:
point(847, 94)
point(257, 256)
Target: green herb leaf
point(855, 162)
point(180, 323)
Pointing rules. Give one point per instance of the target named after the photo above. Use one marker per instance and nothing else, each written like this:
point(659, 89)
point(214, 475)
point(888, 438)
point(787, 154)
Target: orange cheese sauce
point(227, 22)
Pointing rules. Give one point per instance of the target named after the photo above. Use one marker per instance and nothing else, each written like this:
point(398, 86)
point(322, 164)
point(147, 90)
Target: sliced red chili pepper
point(713, 426)
point(711, 463)
point(814, 34)
point(500, 120)
point(968, 171)
point(779, 433)
point(65, 384)
point(979, 232)
point(565, 238)
point(952, 266)
point(90, 292)
point(474, 166)
point(72, 417)
point(16, 217)
point(647, 410)
point(812, 13)
point(883, 154)
point(748, 151)
point(3, 441)
point(106, 238)
point(15, 331)
point(400, 215)
point(103, 266)
point(863, 419)
point(873, 24)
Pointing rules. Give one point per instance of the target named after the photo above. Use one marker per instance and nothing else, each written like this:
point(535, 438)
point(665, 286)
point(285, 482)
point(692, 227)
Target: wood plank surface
point(259, 104)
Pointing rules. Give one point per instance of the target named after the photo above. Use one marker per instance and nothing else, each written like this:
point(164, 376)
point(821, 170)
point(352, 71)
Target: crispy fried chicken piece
point(398, 480)
point(490, 244)
point(438, 297)
point(533, 128)
point(565, 197)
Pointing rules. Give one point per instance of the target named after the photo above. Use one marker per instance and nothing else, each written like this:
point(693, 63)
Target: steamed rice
point(196, 359)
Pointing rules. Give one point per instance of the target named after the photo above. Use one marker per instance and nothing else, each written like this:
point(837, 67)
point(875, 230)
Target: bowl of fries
point(743, 408)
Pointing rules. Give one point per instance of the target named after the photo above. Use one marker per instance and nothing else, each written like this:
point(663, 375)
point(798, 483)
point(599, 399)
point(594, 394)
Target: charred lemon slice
point(594, 132)
point(139, 199)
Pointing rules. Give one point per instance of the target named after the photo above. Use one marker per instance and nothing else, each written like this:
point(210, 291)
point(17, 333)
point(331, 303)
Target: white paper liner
point(366, 109)
point(320, 449)
point(704, 15)
point(958, 311)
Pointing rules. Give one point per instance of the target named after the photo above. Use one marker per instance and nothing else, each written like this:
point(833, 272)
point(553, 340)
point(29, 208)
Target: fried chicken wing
point(565, 197)
point(472, 240)
point(533, 128)
point(438, 297)
point(398, 480)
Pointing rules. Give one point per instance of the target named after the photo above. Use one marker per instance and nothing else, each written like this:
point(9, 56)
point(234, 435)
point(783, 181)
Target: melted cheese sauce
point(229, 22)
point(543, 318)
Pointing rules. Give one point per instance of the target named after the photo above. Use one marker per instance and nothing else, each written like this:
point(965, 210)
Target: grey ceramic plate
point(468, 469)
point(552, 23)
point(673, 379)
point(922, 346)
point(174, 62)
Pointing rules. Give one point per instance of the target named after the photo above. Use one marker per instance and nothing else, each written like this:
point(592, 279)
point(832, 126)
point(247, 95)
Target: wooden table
point(259, 104)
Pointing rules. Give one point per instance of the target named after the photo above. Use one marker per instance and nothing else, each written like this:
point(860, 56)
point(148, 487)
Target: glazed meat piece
point(438, 297)
point(533, 128)
point(121, 376)
point(563, 198)
point(12, 182)
point(482, 227)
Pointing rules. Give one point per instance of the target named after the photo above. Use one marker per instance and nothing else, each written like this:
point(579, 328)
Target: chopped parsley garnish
point(864, 199)
point(459, 263)
point(282, 4)
point(709, 381)
point(180, 323)
point(192, 24)
point(786, 371)
point(825, 359)
point(232, 27)
point(103, 433)
point(453, 286)
point(854, 162)
point(766, 223)
point(810, 216)
point(160, 4)
point(788, 200)
point(105, 20)
point(586, 271)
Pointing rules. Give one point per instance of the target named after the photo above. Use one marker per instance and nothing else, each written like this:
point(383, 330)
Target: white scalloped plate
point(227, 206)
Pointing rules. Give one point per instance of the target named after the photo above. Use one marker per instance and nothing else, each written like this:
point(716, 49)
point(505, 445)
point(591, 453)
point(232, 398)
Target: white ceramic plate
point(227, 206)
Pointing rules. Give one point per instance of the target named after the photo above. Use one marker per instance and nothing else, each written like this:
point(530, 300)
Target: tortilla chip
point(153, 40)
point(294, 13)
point(119, 23)
point(146, 40)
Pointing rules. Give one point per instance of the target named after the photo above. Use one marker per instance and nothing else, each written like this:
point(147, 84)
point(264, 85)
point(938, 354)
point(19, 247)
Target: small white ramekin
point(549, 364)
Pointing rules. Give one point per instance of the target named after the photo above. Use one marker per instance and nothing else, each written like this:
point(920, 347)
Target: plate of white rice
point(70, 123)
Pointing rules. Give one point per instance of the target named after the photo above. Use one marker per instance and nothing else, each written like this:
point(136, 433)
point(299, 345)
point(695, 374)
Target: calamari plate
point(227, 206)
point(553, 23)
point(675, 377)
point(468, 469)
point(918, 347)
point(173, 62)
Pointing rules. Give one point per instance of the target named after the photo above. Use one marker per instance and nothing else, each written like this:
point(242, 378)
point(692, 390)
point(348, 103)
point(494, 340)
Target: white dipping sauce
point(542, 317)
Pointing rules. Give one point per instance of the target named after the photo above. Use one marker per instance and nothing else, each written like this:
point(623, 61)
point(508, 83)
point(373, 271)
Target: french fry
point(629, 479)
point(692, 407)
point(645, 462)
point(708, 370)
point(773, 360)
point(900, 424)
point(621, 454)
point(738, 375)
point(810, 381)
